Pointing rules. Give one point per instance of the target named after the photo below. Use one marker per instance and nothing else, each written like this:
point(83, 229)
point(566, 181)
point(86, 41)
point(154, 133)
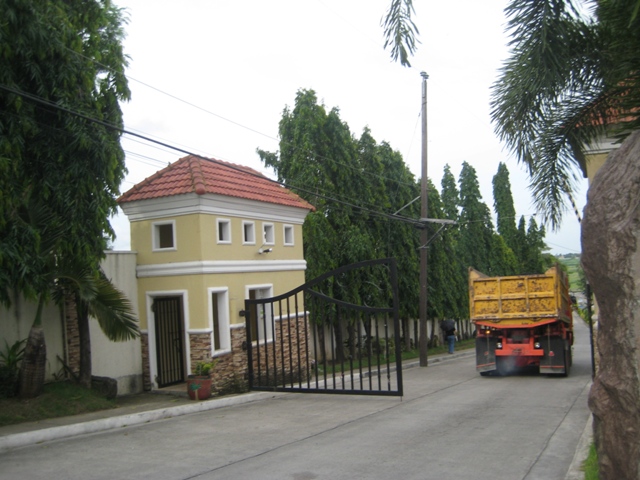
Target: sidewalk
point(167, 403)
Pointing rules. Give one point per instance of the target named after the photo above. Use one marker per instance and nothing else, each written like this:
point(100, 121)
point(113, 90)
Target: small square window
point(224, 230)
point(288, 234)
point(248, 233)
point(164, 236)
point(268, 234)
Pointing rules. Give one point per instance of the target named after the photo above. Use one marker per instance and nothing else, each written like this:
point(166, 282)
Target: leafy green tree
point(402, 239)
point(521, 245)
point(503, 206)
point(58, 59)
point(355, 185)
point(445, 273)
point(457, 295)
point(476, 226)
point(535, 261)
point(450, 195)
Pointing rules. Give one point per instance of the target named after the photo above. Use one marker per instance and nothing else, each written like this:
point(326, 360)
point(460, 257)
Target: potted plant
point(199, 383)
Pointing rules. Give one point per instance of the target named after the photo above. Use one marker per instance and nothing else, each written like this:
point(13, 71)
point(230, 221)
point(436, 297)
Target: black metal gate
point(326, 337)
point(169, 330)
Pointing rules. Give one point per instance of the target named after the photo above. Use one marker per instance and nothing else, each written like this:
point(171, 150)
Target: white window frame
point(225, 223)
point(264, 291)
point(252, 226)
point(155, 236)
point(288, 242)
point(224, 323)
point(266, 229)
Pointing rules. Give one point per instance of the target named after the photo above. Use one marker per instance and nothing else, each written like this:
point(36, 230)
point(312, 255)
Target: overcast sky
point(213, 77)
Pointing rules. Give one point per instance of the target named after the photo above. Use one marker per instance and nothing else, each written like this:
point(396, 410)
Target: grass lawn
point(407, 355)
point(59, 399)
point(590, 465)
point(573, 268)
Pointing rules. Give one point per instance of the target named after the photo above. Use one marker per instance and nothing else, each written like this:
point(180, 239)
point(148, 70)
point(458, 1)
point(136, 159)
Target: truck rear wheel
point(567, 362)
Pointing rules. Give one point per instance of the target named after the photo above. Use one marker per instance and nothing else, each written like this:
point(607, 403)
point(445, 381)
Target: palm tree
point(567, 82)
point(114, 313)
point(48, 276)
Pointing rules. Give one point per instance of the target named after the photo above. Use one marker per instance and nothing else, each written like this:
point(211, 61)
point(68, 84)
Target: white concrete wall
point(16, 321)
point(119, 360)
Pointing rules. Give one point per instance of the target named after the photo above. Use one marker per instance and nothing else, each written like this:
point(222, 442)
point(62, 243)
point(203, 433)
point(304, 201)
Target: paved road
point(451, 424)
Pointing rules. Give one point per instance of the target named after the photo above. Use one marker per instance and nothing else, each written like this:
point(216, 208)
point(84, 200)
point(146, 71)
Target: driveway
point(451, 424)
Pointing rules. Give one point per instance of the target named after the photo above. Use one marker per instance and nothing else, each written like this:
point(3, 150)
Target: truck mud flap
point(486, 354)
point(553, 361)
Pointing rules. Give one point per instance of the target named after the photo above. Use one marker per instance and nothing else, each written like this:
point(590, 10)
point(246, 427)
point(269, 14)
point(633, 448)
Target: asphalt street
point(451, 424)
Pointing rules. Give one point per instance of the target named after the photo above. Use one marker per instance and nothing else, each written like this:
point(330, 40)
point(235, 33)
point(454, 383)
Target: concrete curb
point(17, 440)
point(582, 452)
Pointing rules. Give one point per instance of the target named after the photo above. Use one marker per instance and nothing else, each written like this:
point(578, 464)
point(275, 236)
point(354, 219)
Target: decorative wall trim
point(221, 205)
point(219, 266)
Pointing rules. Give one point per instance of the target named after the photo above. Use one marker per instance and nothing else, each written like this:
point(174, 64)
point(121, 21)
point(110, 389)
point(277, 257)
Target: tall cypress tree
point(476, 227)
point(503, 206)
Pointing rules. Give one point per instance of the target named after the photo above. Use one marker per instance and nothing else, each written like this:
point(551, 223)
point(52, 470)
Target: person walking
point(449, 329)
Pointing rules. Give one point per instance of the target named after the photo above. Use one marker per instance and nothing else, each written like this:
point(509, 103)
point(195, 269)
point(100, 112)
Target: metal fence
point(326, 337)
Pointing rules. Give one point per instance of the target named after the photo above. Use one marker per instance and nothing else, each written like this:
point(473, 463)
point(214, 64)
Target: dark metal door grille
point(169, 340)
point(312, 341)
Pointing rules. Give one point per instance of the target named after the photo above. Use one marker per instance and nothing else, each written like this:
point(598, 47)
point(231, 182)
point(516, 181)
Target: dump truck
point(522, 321)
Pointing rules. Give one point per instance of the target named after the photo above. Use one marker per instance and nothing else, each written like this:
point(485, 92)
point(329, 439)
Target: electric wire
point(351, 167)
point(51, 104)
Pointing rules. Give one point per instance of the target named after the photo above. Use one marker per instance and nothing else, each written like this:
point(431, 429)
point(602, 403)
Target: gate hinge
point(243, 313)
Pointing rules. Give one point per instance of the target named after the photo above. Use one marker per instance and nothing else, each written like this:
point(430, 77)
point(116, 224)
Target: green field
point(572, 264)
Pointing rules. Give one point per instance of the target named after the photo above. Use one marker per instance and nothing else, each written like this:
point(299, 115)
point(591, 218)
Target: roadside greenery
point(366, 208)
point(590, 465)
point(406, 355)
point(59, 399)
point(62, 64)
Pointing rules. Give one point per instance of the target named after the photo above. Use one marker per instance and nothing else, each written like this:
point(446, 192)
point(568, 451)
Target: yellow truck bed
point(521, 300)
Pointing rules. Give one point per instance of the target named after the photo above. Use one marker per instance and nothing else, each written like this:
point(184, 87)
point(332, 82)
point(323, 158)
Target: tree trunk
point(611, 261)
point(407, 334)
point(85, 343)
point(34, 364)
point(339, 345)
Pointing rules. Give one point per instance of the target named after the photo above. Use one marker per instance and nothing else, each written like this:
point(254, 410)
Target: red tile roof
point(192, 174)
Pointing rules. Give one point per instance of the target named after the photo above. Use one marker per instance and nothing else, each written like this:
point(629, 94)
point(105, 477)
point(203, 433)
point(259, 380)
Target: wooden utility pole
point(424, 234)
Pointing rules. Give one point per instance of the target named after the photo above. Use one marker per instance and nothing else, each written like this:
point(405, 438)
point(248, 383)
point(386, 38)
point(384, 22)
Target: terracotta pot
point(199, 387)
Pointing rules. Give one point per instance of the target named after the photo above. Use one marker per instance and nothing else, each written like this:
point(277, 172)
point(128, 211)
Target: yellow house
point(208, 235)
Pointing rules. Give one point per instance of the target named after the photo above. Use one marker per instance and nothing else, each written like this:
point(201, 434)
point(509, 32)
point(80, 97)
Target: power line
point(233, 121)
point(49, 103)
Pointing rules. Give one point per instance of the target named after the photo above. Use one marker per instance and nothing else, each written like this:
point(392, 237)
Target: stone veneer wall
point(200, 346)
point(231, 370)
point(146, 368)
point(291, 347)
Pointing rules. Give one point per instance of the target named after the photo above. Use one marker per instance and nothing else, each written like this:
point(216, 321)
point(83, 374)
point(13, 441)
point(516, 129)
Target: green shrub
point(9, 367)
point(8, 382)
point(590, 465)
